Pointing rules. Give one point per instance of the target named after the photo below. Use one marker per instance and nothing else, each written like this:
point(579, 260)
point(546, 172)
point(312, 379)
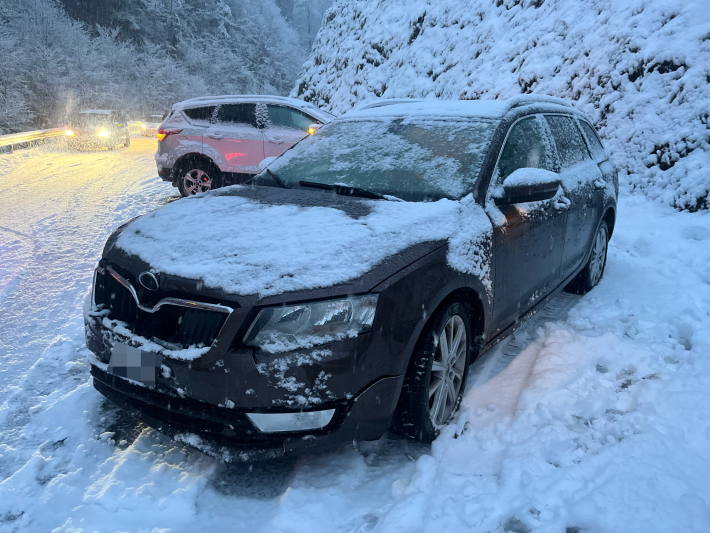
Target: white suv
point(211, 141)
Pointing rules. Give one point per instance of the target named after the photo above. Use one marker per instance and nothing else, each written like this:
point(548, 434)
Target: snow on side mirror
point(265, 162)
point(528, 185)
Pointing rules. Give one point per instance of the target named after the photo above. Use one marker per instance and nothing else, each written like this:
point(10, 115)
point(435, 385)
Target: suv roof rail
point(511, 103)
point(381, 102)
point(527, 99)
point(219, 97)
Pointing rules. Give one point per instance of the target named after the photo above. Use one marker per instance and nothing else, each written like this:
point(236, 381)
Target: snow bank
point(246, 247)
point(640, 69)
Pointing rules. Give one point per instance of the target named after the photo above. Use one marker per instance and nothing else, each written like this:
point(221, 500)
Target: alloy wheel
point(598, 259)
point(196, 181)
point(447, 370)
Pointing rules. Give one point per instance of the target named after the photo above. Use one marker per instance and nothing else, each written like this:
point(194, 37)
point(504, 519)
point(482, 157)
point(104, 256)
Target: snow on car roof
point(96, 111)
point(255, 98)
point(459, 108)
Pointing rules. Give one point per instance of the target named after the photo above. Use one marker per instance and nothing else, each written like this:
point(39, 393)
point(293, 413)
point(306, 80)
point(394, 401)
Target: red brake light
point(162, 133)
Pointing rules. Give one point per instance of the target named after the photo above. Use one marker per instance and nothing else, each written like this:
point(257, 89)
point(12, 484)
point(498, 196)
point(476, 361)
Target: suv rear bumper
point(228, 433)
point(165, 173)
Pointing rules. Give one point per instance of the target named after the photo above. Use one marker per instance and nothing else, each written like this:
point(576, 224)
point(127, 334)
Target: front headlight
point(102, 132)
point(289, 327)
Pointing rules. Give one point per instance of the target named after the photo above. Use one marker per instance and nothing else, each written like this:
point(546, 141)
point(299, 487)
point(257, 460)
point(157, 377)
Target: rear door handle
point(215, 135)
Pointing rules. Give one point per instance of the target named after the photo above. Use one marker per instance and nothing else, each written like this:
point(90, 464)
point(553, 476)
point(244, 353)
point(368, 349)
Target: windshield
point(90, 119)
point(412, 159)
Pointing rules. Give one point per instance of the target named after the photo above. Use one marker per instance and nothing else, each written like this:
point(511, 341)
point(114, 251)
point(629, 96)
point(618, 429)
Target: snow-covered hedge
point(639, 68)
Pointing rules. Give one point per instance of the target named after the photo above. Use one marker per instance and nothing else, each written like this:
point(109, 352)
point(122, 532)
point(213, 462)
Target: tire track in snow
point(58, 209)
point(514, 350)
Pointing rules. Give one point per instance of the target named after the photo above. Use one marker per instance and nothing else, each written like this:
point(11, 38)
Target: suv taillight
point(162, 134)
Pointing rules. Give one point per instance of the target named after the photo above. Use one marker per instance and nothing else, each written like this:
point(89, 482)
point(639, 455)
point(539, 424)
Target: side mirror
point(312, 128)
point(527, 185)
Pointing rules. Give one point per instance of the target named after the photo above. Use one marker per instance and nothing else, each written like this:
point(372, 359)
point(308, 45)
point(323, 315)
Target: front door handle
point(599, 183)
point(562, 203)
point(215, 135)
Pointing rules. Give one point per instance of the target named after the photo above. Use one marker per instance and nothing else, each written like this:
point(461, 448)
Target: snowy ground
point(592, 418)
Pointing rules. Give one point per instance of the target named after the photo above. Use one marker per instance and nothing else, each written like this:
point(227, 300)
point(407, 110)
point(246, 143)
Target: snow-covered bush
point(639, 68)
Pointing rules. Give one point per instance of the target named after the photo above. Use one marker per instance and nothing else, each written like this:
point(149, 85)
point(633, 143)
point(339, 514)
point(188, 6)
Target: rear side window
point(570, 144)
point(527, 146)
point(595, 146)
point(200, 114)
point(237, 114)
point(285, 117)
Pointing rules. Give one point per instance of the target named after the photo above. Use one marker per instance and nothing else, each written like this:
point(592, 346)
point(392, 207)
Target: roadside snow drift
point(640, 69)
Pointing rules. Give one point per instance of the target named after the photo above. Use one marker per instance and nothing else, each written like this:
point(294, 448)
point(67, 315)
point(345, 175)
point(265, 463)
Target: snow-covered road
point(593, 418)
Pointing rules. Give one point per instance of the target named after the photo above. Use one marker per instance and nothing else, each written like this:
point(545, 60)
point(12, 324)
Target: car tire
point(593, 271)
point(127, 143)
point(433, 378)
point(197, 176)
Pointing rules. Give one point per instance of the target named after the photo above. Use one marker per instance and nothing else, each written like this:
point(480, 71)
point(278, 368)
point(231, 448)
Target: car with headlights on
point(97, 128)
point(346, 289)
point(145, 125)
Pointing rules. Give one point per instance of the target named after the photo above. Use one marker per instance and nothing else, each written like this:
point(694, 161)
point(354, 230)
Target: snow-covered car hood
point(266, 241)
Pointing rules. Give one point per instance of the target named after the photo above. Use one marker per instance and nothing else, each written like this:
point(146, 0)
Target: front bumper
point(205, 404)
point(89, 140)
point(228, 434)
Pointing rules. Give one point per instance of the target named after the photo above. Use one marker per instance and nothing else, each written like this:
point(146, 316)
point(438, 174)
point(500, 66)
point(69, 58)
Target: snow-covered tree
point(139, 56)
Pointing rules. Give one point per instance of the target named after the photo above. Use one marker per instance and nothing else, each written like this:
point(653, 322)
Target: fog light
point(273, 422)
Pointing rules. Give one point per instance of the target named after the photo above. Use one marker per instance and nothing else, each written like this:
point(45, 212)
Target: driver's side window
point(527, 146)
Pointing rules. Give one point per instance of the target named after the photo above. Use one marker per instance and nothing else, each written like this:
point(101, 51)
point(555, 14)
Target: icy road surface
point(592, 418)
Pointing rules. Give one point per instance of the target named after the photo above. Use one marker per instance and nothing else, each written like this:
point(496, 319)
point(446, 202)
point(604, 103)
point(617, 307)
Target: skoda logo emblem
point(149, 281)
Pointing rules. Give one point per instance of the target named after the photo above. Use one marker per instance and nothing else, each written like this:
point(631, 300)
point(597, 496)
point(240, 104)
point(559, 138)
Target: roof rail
point(219, 97)
point(527, 99)
point(381, 102)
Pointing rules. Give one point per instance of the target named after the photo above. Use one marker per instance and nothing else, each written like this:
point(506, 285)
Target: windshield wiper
point(345, 190)
point(275, 177)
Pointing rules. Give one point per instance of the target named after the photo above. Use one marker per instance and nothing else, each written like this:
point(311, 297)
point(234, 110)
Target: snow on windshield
point(412, 159)
point(255, 248)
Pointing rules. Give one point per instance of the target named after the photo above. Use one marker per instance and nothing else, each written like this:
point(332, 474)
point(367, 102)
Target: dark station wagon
point(345, 291)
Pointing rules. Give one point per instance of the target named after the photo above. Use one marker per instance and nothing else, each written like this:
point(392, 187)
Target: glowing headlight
point(289, 327)
point(102, 132)
point(69, 133)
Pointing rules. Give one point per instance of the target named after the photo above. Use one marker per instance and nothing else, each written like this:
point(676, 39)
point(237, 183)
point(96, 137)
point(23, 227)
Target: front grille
point(171, 325)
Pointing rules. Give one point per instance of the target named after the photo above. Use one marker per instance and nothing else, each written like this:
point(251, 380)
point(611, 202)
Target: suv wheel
point(593, 271)
point(128, 141)
point(196, 177)
point(436, 377)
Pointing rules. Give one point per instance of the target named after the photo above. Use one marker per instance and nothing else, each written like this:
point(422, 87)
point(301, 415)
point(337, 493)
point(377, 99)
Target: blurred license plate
point(133, 363)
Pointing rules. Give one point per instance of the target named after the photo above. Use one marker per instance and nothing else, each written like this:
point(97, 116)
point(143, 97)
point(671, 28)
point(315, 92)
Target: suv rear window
point(570, 144)
point(595, 146)
point(237, 114)
point(285, 117)
point(200, 113)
